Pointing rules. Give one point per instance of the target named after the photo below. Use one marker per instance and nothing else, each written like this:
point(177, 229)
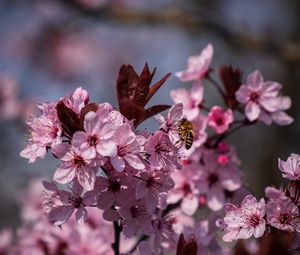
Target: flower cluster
point(281, 210)
point(151, 184)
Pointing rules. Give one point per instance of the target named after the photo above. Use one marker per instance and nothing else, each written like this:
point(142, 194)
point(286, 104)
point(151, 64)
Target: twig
point(116, 244)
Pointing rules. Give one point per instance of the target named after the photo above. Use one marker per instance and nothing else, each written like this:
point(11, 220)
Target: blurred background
point(48, 48)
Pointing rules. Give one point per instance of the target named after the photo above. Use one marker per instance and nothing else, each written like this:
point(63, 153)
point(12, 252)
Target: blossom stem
point(116, 244)
point(217, 86)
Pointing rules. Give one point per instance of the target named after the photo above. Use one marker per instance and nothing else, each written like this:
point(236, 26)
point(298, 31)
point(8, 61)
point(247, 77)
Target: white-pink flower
point(74, 164)
point(96, 138)
point(44, 132)
point(170, 124)
point(219, 119)
point(291, 168)
point(190, 98)
point(216, 178)
point(162, 153)
point(59, 205)
point(197, 66)
point(245, 221)
point(77, 100)
point(263, 101)
point(129, 147)
point(150, 185)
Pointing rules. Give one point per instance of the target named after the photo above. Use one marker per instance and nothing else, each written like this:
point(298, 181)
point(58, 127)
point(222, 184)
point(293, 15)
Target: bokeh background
point(49, 48)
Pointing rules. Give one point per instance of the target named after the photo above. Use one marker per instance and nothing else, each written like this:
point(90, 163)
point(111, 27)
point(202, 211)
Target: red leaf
point(127, 82)
point(189, 247)
point(132, 111)
point(156, 86)
point(143, 86)
point(69, 119)
point(232, 80)
point(180, 244)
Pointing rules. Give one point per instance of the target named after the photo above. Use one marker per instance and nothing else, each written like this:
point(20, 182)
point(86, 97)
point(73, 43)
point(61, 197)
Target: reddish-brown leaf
point(142, 89)
point(69, 119)
point(184, 247)
point(91, 107)
point(156, 86)
point(132, 110)
point(232, 80)
point(180, 244)
point(127, 82)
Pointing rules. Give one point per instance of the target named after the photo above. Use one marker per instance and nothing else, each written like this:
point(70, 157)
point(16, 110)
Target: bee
point(186, 133)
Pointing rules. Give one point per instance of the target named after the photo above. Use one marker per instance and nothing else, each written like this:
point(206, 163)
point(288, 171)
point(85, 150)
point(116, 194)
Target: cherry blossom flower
point(96, 138)
point(150, 185)
point(262, 100)
point(220, 120)
point(283, 215)
point(77, 100)
point(291, 168)
point(44, 132)
point(5, 241)
point(59, 205)
point(216, 178)
point(245, 221)
point(161, 150)
point(190, 98)
point(129, 146)
point(197, 66)
point(135, 217)
point(74, 164)
point(170, 124)
point(185, 191)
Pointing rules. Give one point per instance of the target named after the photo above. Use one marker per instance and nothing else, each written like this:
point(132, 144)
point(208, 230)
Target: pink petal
point(252, 111)
point(134, 161)
point(255, 79)
point(215, 199)
point(64, 174)
point(60, 214)
point(81, 214)
point(106, 200)
point(86, 177)
point(111, 215)
point(118, 163)
point(107, 148)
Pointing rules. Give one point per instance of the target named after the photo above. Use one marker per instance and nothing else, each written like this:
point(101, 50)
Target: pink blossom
point(263, 101)
point(170, 124)
point(96, 138)
point(216, 178)
point(150, 185)
point(59, 205)
point(162, 153)
point(185, 191)
point(113, 190)
point(291, 168)
point(135, 217)
point(245, 221)
point(283, 215)
point(77, 100)
point(5, 240)
point(74, 164)
point(220, 120)
point(129, 146)
point(44, 132)
point(197, 66)
point(190, 98)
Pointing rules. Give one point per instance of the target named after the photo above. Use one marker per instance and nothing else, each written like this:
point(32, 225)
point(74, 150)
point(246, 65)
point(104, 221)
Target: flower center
point(115, 186)
point(79, 161)
point(92, 140)
point(254, 96)
point(253, 220)
point(284, 218)
point(212, 179)
point(77, 202)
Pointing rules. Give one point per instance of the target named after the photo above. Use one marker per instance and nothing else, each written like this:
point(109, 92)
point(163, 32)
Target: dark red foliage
point(184, 247)
point(232, 80)
point(134, 92)
point(70, 121)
